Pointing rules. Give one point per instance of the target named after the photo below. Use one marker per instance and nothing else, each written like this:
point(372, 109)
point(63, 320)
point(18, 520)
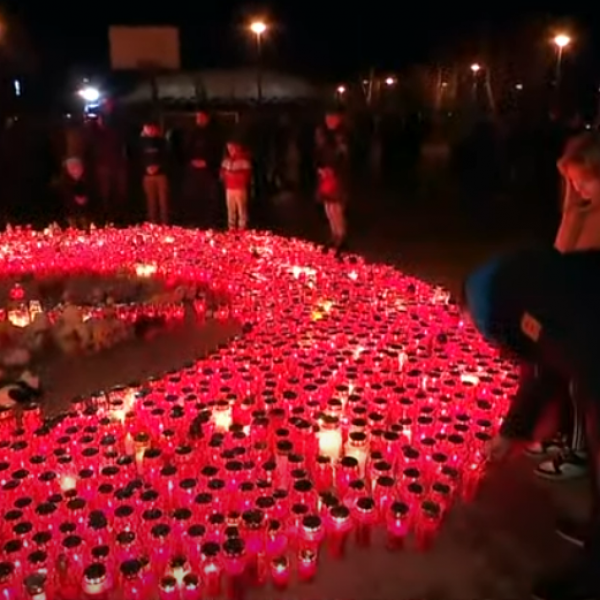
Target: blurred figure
point(331, 163)
point(77, 194)
point(236, 174)
point(109, 161)
point(155, 182)
point(201, 162)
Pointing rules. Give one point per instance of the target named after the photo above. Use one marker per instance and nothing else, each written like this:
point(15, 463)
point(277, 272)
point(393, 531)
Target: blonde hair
point(583, 151)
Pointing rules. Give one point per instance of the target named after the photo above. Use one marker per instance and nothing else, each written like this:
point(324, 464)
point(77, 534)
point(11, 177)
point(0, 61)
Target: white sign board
point(141, 48)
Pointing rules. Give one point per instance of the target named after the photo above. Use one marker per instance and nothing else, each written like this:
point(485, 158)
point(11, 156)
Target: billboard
point(144, 48)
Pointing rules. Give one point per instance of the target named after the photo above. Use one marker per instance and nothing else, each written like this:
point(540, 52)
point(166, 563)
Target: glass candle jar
point(397, 525)
point(338, 525)
point(191, 588)
point(280, 572)
point(365, 516)
point(234, 551)
point(132, 582)
point(211, 569)
point(96, 582)
point(307, 565)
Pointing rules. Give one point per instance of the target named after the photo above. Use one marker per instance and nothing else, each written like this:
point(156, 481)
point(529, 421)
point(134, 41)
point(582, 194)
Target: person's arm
point(537, 389)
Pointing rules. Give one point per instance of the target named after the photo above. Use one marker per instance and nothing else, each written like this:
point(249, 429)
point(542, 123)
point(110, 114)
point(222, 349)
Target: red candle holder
point(365, 515)
point(338, 526)
point(96, 583)
point(280, 572)
point(397, 525)
point(211, 569)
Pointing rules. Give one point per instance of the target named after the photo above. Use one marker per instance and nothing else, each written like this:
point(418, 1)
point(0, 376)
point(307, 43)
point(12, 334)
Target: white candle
point(330, 439)
point(68, 482)
point(222, 418)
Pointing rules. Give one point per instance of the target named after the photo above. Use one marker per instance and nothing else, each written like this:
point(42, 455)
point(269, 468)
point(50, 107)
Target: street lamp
point(475, 68)
point(341, 90)
point(89, 94)
point(258, 28)
point(561, 41)
point(390, 81)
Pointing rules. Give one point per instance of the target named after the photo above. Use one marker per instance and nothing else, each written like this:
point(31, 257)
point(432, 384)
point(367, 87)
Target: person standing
point(76, 194)
point(155, 182)
point(236, 174)
point(201, 161)
point(331, 162)
point(109, 163)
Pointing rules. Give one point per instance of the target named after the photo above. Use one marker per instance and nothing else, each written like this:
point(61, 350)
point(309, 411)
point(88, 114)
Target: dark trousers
point(539, 388)
point(112, 189)
point(199, 197)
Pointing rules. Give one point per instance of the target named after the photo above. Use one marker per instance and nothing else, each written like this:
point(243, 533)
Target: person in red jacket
point(236, 173)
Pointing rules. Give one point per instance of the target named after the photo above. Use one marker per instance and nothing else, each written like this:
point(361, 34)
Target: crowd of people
point(185, 175)
point(178, 169)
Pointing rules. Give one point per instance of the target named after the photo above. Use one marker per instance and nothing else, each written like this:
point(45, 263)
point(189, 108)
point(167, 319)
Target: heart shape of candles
point(354, 398)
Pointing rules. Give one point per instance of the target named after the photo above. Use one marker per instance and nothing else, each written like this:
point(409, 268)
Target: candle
point(280, 572)
point(168, 588)
point(330, 438)
point(397, 522)
point(67, 483)
point(96, 582)
point(307, 565)
point(358, 447)
point(222, 417)
point(339, 524)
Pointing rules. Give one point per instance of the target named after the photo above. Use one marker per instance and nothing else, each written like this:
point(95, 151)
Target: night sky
point(330, 39)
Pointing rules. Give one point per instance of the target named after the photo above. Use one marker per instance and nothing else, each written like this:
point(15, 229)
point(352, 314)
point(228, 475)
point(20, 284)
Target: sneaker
point(563, 467)
point(572, 530)
point(578, 582)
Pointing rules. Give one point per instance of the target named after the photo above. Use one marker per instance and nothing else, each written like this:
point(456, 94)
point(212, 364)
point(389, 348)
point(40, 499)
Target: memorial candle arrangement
point(354, 402)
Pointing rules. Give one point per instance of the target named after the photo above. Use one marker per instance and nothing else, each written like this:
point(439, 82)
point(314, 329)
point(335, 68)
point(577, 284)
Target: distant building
point(236, 86)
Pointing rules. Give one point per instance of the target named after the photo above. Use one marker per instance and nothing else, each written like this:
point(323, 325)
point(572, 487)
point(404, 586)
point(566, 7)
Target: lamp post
point(561, 41)
point(258, 28)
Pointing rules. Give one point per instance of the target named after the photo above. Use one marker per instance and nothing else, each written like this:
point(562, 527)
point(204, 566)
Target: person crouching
point(236, 174)
point(76, 194)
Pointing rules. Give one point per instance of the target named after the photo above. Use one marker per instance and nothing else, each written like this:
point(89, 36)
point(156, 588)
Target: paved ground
point(491, 549)
point(495, 547)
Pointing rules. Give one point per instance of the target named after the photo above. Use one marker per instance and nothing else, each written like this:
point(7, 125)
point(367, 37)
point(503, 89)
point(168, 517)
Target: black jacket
point(154, 154)
point(543, 307)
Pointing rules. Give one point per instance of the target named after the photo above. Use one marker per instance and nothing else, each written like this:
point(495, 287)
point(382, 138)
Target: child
point(331, 161)
point(76, 194)
point(236, 173)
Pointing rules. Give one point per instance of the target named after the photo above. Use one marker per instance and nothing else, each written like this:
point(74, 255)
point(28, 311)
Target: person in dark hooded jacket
point(541, 306)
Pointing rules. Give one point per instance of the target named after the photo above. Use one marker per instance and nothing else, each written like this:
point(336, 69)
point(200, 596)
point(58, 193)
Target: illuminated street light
point(519, 86)
point(390, 81)
point(475, 68)
point(258, 28)
point(89, 94)
point(561, 41)
point(341, 90)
